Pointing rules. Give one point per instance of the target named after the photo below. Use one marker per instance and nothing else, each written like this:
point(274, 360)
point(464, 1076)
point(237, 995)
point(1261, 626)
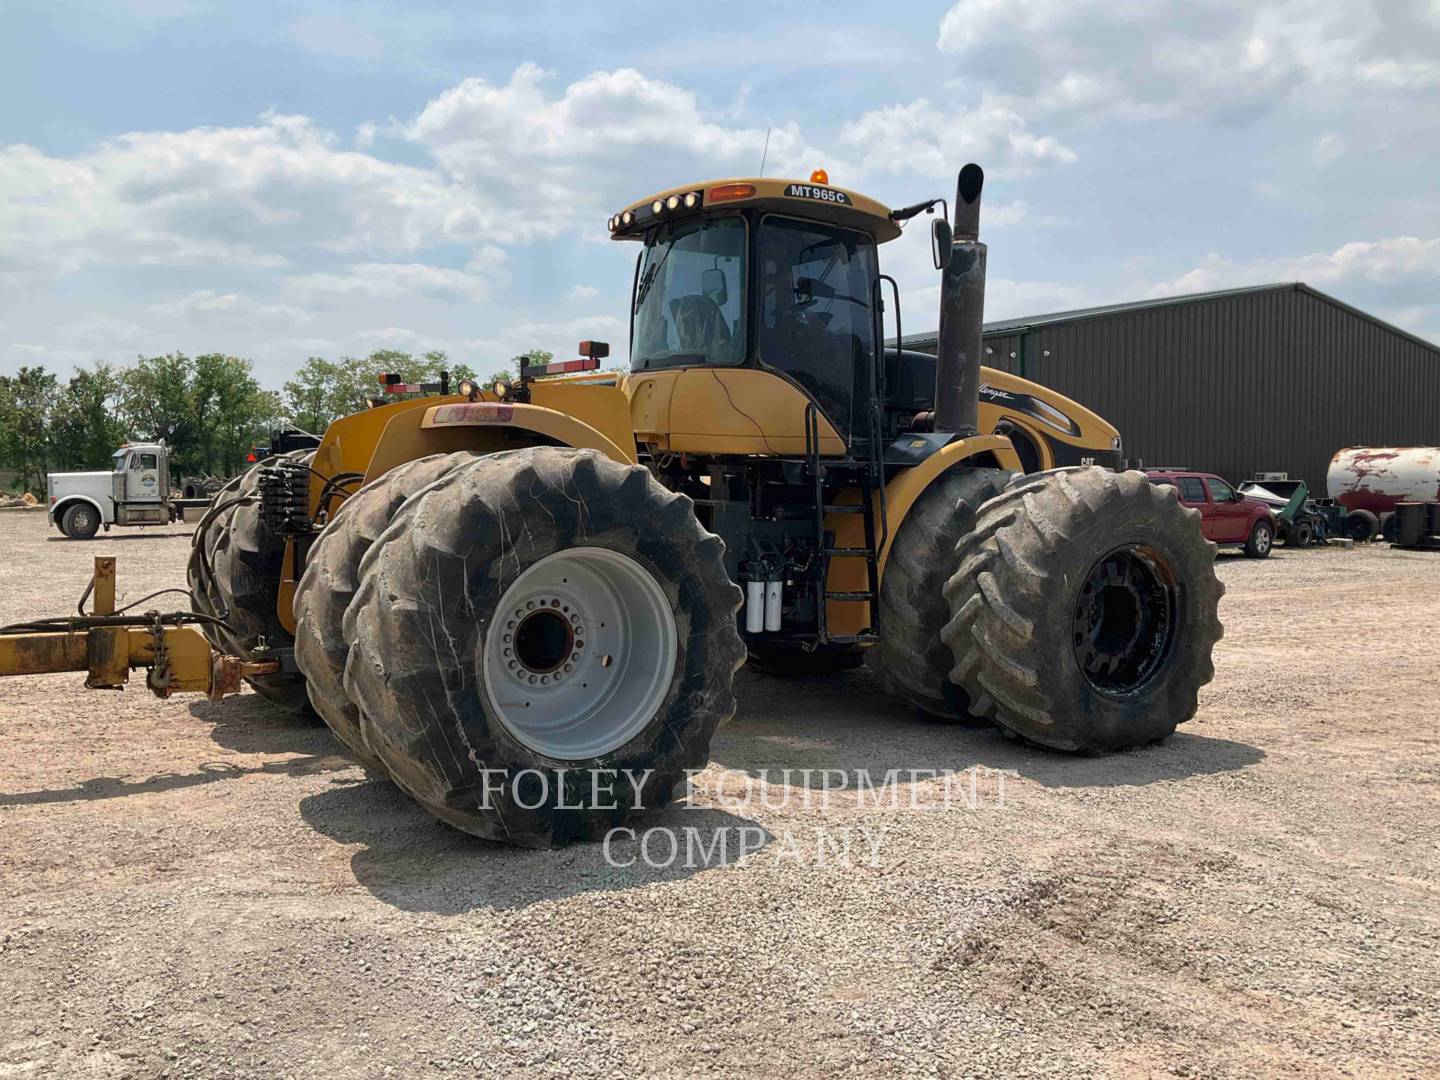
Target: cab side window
point(1191, 489)
point(1220, 491)
point(149, 461)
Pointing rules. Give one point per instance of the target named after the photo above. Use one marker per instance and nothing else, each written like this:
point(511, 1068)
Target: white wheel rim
point(580, 653)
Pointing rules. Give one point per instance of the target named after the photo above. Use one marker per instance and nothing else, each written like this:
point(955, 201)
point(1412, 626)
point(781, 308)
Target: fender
point(485, 427)
point(58, 510)
point(427, 427)
point(901, 493)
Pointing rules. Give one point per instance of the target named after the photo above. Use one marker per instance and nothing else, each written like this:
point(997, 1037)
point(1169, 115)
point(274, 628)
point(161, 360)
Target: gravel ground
point(191, 889)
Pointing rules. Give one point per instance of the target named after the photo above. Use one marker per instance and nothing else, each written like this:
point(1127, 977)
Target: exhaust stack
point(962, 312)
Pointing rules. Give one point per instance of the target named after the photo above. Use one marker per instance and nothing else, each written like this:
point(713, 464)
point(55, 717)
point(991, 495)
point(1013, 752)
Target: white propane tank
point(772, 605)
point(754, 607)
point(1375, 478)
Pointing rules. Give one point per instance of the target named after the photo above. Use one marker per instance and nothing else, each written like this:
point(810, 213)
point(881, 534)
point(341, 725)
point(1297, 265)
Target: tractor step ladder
point(869, 474)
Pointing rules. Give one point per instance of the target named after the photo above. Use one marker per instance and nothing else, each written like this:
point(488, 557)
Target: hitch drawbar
point(107, 645)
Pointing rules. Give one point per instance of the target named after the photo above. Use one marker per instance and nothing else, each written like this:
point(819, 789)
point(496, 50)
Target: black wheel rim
point(1125, 620)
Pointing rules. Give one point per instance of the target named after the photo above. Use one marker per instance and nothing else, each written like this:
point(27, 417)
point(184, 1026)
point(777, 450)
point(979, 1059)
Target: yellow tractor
point(526, 603)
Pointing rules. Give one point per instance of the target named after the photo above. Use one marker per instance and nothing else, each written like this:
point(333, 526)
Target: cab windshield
point(690, 296)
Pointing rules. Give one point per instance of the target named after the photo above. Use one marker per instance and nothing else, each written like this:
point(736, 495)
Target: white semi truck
point(136, 491)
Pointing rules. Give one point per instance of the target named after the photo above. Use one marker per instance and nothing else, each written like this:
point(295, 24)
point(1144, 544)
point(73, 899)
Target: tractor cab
point(767, 275)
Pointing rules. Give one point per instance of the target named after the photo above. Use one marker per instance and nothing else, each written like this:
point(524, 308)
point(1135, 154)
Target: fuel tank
point(1375, 478)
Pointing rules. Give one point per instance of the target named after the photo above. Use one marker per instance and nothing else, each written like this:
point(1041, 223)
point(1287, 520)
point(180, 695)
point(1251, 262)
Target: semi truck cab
point(136, 491)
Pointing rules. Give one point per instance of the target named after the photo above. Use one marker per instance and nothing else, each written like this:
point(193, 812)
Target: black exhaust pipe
point(962, 313)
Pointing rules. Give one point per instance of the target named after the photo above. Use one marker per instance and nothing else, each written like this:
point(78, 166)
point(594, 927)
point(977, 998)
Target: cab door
point(1231, 516)
point(142, 477)
point(1192, 493)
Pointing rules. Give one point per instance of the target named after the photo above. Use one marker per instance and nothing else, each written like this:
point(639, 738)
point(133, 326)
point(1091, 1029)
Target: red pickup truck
point(1226, 516)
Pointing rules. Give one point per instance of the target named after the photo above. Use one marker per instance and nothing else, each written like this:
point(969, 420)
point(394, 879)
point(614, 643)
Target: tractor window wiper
point(643, 289)
point(648, 281)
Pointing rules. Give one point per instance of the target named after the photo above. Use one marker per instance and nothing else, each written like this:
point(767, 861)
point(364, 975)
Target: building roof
point(1003, 327)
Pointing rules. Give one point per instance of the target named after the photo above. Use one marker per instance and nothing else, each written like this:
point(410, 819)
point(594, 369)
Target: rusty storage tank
point(1375, 478)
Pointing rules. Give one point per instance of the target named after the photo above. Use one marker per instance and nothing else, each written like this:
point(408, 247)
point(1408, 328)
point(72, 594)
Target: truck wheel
point(244, 559)
point(1387, 526)
point(1085, 610)
point(793, 661)
point(1301, 535)
point(332, 574)
point(80, 522)
point(911, 659)
point(543, 642)
point(1362, 526)
point(1262, 539)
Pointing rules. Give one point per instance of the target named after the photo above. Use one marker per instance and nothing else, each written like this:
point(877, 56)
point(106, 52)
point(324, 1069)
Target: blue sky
point(280, 180)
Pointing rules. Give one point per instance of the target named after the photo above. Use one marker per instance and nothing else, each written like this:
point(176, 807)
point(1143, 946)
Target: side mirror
point(941, 237)
point(712, 284)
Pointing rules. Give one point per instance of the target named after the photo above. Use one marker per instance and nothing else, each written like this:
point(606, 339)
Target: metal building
point(1271, 377)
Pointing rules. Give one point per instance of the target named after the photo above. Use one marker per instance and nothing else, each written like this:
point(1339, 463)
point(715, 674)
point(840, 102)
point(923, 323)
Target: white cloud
point(582, 292)
point(1226, 59)
point(209, 306)
point(608, 138)
point(256, 196)
point(1395, 261)
point(559, 337)
point(921, 137)
point(390, 281)
point(394, 337)
point(1328, 147)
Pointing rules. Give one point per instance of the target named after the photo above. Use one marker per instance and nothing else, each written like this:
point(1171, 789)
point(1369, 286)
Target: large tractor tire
point(330, 581)
point(543, 642)
point(911, 659)
point(234, 573)
point(1085, 609)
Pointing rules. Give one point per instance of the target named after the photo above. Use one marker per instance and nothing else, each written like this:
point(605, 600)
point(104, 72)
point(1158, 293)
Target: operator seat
point(700, 325)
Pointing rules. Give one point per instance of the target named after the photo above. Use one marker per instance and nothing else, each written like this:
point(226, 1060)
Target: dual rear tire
point(1079, 606)
point(234, 575)
point(1084, 610)
point(537, 644)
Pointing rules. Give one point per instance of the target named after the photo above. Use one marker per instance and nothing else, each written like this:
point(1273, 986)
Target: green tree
point(230, 411)
point(84, 428)
point(156, 402)
point(310, 396)
point(27, 403)
point(222, 392)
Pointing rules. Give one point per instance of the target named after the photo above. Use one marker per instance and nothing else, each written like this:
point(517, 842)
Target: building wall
point(1275, 380)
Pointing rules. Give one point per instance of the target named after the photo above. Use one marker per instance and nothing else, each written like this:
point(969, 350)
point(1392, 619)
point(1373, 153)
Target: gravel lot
point(210, 890)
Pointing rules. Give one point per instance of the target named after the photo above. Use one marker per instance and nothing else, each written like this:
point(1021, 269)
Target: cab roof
point(800, 198)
